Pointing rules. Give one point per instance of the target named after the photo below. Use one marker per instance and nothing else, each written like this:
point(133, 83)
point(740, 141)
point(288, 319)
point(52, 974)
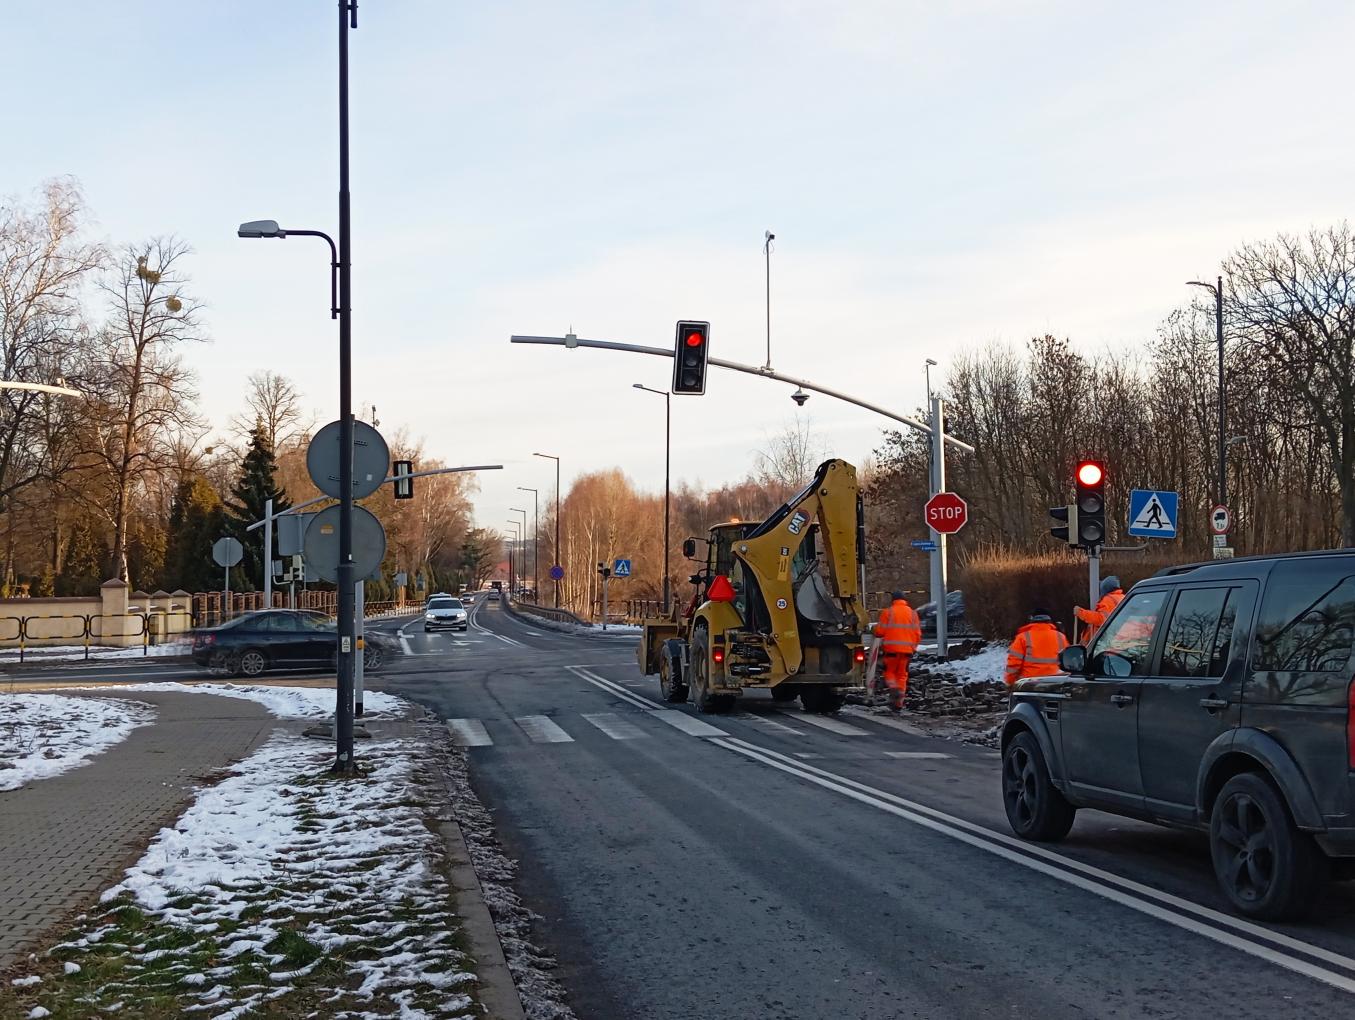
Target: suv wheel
point(1266, 867)
point(1035, 809)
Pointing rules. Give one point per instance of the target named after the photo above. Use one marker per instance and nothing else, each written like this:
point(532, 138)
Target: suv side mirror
point(689, 548)
point(1073, 660)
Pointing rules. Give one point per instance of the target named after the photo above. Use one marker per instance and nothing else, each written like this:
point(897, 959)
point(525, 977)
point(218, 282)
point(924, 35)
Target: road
point(769, 864)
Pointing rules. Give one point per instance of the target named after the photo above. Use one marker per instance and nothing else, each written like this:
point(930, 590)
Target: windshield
point(444, 604)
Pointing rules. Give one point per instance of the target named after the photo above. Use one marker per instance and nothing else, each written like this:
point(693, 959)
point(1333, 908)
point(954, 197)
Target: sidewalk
point(64, 839)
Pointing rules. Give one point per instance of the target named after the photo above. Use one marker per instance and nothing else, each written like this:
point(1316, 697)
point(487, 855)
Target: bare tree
point(788, 460)
point(146, 393)
point(274, 402)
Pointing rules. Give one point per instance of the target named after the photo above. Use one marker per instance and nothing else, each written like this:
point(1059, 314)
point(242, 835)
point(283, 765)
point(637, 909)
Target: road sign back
point(227, 552)
point(1152, 514)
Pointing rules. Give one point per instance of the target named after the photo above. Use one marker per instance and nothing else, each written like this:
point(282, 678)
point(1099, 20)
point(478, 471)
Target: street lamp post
point(548, 456)
point(522, 550)
point(512, 574)
point(667, 463)
point(1217, 290)
point(536, 542)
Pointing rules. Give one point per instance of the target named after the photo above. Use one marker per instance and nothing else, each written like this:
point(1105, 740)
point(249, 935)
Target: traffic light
point(691, 351)
point(1067, 518)
point(1090, 502)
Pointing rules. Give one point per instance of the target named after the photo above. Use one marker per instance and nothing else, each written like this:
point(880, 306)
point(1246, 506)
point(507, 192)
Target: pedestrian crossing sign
point(1152, 514)
point(621, 568)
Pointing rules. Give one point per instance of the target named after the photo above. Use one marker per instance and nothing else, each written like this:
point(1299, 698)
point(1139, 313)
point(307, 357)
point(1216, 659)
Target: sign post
point(227, 552)
point(945, 513)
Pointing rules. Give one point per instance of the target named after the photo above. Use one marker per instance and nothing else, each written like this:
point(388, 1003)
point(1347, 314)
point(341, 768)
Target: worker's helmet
point(1109, 585)
point(897, 596)
point(1040, 615)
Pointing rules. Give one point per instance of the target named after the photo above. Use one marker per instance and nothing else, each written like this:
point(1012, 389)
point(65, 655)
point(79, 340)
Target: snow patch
point(283, 702)
point(44, 735)
point(73, 653)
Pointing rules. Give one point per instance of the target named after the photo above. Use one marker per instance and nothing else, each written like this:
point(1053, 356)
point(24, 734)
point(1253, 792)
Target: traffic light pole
point(938, 565)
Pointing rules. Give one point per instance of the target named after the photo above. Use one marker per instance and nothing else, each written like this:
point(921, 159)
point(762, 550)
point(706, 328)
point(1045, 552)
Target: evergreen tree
point(83, 571)
point(256, 485)
point(196, 520)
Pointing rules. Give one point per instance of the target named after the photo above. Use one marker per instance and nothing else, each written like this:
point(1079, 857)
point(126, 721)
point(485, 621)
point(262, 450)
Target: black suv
point(1218, 696)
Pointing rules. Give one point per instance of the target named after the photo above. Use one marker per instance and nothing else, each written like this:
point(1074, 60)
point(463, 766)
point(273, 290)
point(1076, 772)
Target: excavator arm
point(832, 499)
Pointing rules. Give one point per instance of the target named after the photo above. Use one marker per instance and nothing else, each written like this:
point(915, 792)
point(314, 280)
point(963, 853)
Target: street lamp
point(511, 573)
point(930, 365)
point(270, 228)
point(536, 542)
point(667, 462)
point(1217, 290)
point(549, 456)
point(522, 552)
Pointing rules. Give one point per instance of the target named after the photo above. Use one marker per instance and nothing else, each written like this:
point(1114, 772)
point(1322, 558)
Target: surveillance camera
point(799, 396)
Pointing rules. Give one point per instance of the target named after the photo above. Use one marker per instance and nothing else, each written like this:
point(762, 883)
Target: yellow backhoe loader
point(778, 605)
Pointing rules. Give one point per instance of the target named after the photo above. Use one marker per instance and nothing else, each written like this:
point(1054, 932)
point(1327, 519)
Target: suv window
point(1122, 648)
point(1200, 633)
point(1307, 620)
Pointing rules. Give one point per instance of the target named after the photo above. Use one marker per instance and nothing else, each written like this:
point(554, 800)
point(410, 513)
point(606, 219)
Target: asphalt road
point(769, 864)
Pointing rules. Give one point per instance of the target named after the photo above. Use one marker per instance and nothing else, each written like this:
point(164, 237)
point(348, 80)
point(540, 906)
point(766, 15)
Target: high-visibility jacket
point(1096, 618)
point(1035, 651)
point(899, 629)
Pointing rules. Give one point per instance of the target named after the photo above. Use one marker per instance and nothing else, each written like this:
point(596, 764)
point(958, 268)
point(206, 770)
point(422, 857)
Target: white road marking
point(1173, 910)
point(541, 730)
point(917, 754)
point(771, 724)
point(469, 733)
point(687, 724)
point(613, 688)
point(616, 727)
point(827, 722)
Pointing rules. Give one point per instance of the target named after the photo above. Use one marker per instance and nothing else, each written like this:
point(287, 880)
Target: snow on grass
point(570, 627)
point(72, 653)
point(282, 889)
point(43, 735)
point(283, 702)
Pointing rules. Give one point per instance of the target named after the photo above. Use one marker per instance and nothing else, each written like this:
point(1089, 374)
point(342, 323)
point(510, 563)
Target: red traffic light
point(694, 339)
point(1090, 473)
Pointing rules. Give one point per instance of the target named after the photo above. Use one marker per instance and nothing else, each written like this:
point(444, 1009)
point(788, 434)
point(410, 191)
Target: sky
point(939, 176)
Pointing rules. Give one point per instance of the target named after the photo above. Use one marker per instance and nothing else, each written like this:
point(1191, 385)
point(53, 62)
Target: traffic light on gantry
point(691, 352)
point(1090, 500)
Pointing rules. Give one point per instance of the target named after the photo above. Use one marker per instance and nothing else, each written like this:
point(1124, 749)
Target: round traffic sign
point(557, 573)
point(371, 459)
point(946, 513)
point(1220, 519)
point(227, 552)
point(322, 544)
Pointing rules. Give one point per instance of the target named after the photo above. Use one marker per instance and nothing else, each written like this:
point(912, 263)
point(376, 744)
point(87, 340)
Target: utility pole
point(547, 456)
point(1216, 289)
point(536, 543)
point(667, 489)
point(938, 480)
point(768, 238)
point(343, 715)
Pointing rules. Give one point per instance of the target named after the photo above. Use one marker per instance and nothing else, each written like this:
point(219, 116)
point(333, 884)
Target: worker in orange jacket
point(899, 631)
point(1095, 619)
point(1035, 649)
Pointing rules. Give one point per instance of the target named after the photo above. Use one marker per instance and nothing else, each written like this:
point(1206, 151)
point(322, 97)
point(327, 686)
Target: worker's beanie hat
point(896, 596)
point(1110, 584)
point(1040, 615)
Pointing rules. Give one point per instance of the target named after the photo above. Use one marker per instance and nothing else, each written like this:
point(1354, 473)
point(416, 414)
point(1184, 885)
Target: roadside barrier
point(548, 612)
point(87, 629)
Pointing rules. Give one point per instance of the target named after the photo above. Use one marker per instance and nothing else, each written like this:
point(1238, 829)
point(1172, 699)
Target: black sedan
point(280, 639)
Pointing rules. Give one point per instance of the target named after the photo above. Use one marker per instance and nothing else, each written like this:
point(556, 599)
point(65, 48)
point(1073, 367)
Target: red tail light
point(860, 655)
point(1350, 726)
point(718, 655)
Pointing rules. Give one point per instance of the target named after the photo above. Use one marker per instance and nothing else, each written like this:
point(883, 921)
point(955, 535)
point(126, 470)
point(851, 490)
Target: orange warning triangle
point(721, 590)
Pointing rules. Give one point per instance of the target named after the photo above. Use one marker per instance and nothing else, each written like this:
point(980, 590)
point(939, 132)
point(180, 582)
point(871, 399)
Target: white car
point(445, 612)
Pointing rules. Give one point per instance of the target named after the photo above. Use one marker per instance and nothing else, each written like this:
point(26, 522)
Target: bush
point(1001, 586)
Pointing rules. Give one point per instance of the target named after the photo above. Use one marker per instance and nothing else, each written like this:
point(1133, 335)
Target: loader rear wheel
point(702, 698)
point(670, 672)
point(785, 692)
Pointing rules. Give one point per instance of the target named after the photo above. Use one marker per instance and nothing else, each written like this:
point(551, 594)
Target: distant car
point(445, 612)
point(254, 643)
point(493, 595)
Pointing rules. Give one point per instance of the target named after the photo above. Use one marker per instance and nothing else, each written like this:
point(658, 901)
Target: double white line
point(484, 630)
point(1225, 929)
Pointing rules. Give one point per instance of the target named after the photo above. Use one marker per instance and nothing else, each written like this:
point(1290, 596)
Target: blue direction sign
point(557, 573)
point(924, 545)
point(621, 568)
point(1152, 514)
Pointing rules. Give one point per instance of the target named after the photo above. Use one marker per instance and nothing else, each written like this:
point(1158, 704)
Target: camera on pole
point(691, 351)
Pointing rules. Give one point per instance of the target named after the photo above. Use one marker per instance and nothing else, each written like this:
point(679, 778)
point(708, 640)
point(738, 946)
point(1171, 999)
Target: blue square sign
point(1152, 514)
point(621, 568)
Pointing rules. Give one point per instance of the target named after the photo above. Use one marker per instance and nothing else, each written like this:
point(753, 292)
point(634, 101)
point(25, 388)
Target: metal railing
point(548, 612)
point(87, 629)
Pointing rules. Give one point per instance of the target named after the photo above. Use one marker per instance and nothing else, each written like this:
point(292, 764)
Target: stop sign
point(946, 513)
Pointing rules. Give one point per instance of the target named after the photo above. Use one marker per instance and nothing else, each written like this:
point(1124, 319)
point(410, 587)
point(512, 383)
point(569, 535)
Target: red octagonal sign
point(946, 513)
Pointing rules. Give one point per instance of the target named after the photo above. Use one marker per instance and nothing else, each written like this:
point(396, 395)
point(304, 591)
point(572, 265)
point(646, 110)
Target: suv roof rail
point(1186, 568)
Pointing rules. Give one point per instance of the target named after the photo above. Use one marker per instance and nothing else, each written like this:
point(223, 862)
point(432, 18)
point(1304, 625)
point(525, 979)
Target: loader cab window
point(721, 551)
point(807, 555)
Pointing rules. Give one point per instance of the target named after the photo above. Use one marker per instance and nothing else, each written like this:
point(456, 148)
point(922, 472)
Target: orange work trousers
point(896, 673)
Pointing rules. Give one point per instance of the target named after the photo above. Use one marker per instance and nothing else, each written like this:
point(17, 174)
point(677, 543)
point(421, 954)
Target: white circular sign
point(1220, 519)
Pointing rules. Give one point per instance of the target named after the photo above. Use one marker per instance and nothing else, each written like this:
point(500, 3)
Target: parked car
point(1217, 696)
point(445, 612)
point(256, 642)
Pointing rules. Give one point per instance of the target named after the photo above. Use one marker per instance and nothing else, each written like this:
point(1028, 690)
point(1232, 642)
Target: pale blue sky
point(938, 175)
